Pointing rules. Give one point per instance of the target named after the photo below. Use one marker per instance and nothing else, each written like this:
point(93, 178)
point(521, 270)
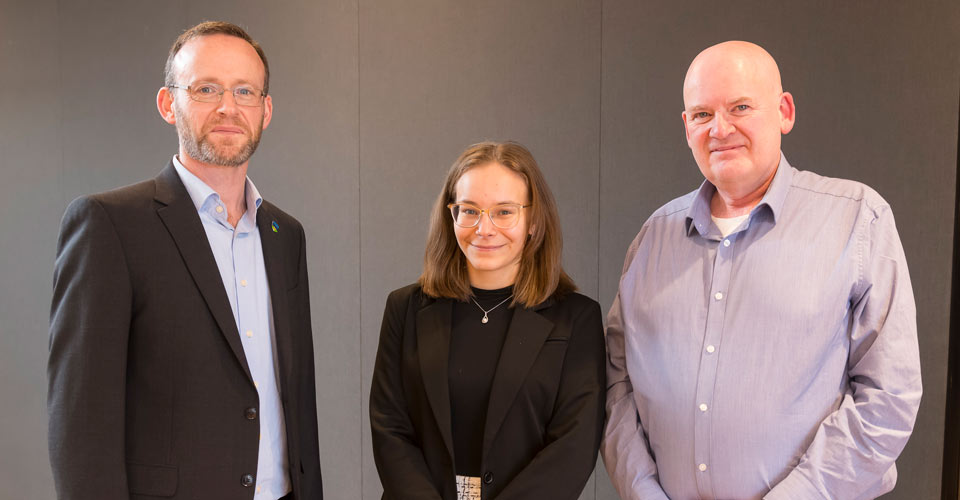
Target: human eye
point(244, 91)
point(505, 210)
point(468, 210)
point(740, 108)
point(699, 116)
point(206, 89)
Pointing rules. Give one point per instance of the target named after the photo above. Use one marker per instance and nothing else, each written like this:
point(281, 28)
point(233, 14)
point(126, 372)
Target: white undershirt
point(727, 225)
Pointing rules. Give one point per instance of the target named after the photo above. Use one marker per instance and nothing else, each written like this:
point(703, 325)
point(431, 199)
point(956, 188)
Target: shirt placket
point(722, 250)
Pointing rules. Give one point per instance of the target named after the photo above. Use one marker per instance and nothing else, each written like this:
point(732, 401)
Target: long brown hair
point(541, 273)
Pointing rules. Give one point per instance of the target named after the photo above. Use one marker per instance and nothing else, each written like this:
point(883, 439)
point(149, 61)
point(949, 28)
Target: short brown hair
point(214, 28)
point(541, 273)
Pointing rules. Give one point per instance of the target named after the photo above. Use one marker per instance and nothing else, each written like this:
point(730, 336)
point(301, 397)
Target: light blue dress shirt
point(780, 361)
point(239, 257)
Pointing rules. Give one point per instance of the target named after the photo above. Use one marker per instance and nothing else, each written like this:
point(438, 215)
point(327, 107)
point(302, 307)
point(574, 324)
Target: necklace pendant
point(485, 319)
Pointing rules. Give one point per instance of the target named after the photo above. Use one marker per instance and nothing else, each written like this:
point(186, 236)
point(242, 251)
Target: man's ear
point(267, 110)
point(165, 105)
point(788, 113)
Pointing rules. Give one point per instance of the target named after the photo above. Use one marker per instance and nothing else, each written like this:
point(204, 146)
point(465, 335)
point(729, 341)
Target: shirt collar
point(203, 196)
point(698, 215)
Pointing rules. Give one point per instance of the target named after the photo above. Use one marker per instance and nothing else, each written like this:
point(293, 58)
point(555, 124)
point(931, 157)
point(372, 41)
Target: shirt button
point(249, 333)
point(718, 295)
point(488, 477)
point(243, 282)
point(710, 349)
point(702, 467)
point(703, 406)
point(219, 209)
point(246, 480)
point(250, 413)
point(726, 243)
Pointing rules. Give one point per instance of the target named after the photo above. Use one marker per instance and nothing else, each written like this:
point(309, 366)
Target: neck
point(728, 204)
point(491, 280)
point(228, 182)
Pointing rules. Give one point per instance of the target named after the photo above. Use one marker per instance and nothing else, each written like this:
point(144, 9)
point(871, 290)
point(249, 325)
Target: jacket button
point(250, 413)
point(488, 477)
point(246, 480)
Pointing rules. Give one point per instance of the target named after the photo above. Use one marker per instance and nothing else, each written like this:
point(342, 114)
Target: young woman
point(489, 380)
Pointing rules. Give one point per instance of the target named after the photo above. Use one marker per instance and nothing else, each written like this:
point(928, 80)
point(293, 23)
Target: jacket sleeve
point(572, 436)
point(853, 452)
point(89, 327)
point(399, 459)
point(625, 450)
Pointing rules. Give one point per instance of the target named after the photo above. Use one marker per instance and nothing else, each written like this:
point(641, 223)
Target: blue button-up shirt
point(239, 257)
point(780, 361)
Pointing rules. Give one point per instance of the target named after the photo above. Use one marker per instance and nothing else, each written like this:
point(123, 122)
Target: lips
point(725, 148)
point(486, 248)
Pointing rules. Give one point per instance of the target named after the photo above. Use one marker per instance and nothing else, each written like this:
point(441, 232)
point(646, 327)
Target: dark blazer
point(544, 418)
point(150, 394)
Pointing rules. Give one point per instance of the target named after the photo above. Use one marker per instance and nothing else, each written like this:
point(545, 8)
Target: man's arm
point(853, 452)
point(625, 451)
point(89, 327)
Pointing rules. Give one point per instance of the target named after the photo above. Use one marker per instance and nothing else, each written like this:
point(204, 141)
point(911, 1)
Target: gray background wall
point(373, 101)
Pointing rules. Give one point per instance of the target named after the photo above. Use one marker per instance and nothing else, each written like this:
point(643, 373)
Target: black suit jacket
point(546, 410)
point(149, 387)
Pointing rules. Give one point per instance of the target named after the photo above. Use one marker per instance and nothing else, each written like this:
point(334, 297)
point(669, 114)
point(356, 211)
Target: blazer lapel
point(433, 345)
point(274, 255)
point(527, 332)
point(180, 217)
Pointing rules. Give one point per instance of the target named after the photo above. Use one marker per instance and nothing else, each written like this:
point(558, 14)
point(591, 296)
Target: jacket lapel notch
point(433, 345)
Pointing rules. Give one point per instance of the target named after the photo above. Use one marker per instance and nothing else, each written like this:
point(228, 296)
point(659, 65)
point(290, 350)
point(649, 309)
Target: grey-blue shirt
point(778, 362)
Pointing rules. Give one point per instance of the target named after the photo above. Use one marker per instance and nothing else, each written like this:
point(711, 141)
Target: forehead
point(491, 182)
point(219, 58)
point(723, 81)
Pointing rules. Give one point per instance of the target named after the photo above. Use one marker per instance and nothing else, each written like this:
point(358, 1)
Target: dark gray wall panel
point(438, 76)
point(29, 208)
point(876, 92)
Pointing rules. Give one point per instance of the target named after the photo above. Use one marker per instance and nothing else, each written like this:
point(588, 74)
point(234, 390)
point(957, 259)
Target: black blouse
point(474, 351)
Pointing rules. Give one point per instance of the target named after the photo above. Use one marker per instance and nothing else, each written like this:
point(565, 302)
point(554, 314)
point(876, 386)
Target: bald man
point(763, 340)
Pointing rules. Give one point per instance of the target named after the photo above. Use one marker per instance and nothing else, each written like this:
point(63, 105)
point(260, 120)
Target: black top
point(474, 351)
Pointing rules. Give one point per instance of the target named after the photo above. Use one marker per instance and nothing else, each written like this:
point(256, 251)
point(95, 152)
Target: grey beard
point(205, 152)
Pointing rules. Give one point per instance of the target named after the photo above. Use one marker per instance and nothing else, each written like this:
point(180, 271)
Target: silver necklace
point(486, 311)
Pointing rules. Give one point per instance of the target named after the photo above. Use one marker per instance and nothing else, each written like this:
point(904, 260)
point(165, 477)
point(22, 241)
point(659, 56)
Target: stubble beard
point(203, 150)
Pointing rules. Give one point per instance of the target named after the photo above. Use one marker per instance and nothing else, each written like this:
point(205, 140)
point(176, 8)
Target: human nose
point(485, 226)
point(721, 127)
point(228, 102)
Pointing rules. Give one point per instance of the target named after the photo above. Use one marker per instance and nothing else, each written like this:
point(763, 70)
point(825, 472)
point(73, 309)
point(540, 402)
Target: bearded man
point(181, 355)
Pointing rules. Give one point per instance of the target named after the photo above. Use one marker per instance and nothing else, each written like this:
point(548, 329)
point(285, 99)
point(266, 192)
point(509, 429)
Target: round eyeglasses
point(212, 92)
point(504, 215)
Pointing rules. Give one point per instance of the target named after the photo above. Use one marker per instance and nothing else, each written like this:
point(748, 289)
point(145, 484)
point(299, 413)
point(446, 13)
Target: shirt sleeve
point(853, 452)
point(87, 364)
point(625, 450)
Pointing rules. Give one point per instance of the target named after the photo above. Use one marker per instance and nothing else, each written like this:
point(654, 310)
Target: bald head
point(735, 111)
point(748, 59)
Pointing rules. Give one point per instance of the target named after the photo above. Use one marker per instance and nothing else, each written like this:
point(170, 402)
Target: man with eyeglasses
point(181, 356)
point(763, 341)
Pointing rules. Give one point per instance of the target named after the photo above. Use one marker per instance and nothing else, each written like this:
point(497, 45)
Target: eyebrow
point(471, 202)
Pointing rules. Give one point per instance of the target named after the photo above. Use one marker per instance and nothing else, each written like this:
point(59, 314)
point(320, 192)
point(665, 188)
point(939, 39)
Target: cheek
point(463, 236)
